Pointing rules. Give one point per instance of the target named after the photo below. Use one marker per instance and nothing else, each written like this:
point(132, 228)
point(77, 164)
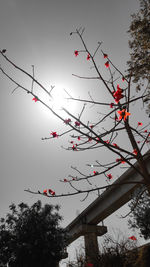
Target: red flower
point(107, 141)
point(109, 176)
point(77, 123)
point(45, 192)
point(95, 172)
point(90, 139)
point(66, 121)
point(76, 53)
point(123, 79)
point(91, 126)
point(54, 134)
point(118, 94)
point(145, 131)
point(140, 123)
point(105, 55)
point(74, 147)
point(135, 152)
point(114, 144)
point(120, 160)
point(98, 139)
point(123, 114)
point(138, 142)
point(88, 57)
point(132, 237)
point(35, 99)
point(107, 64)
point(111, 105)
point(65, 180)
point(51, 192)
point(79, 138)
point(71, 142)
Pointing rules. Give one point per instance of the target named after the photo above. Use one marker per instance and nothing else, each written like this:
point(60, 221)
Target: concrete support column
point(90, 233)
point(91, 249)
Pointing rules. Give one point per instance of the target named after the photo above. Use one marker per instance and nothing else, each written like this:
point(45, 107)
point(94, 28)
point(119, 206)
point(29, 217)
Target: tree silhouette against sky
point(32, 236)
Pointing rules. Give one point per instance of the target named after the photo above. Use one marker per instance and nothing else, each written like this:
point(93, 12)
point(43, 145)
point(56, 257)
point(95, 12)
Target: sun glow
point(59, 99)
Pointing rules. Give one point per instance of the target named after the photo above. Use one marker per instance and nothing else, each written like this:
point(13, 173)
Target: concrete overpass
point(108, 202)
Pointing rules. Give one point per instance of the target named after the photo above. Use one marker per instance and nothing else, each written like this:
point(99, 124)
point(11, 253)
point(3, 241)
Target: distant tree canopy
point(31, 236)
point(140, 205)
point(139, 63)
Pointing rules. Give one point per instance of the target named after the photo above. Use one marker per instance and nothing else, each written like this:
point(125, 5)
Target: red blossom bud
point(132, 237)
point(111, 105)
point(45, 192)
point(35, 99)
point(77, 123)
point(88, 57)
point(105, 55)
point(76, 53)
point(95, 172)
point(135, 152)
point(54, 134)
point(66, 121)
point(107, 64)
point(109, 176)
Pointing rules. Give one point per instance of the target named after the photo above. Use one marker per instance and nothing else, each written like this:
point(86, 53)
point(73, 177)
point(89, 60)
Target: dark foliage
point(140, 216)
point(139, 63)
point(31, 236)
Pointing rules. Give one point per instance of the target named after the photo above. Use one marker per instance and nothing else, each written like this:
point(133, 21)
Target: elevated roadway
point(108, 202)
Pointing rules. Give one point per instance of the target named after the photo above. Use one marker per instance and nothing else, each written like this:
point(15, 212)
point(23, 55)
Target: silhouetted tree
point(100, 128)
point(31, 236)
point(139, 44)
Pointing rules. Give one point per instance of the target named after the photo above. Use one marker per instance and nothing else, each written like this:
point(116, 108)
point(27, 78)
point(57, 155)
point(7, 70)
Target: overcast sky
point(37, 32)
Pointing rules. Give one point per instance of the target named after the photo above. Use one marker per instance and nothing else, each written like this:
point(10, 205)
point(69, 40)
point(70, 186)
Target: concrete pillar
point(91, 249)
point(91, 244)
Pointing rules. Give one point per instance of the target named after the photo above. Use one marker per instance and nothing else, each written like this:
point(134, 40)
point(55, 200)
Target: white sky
point(36, 33)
